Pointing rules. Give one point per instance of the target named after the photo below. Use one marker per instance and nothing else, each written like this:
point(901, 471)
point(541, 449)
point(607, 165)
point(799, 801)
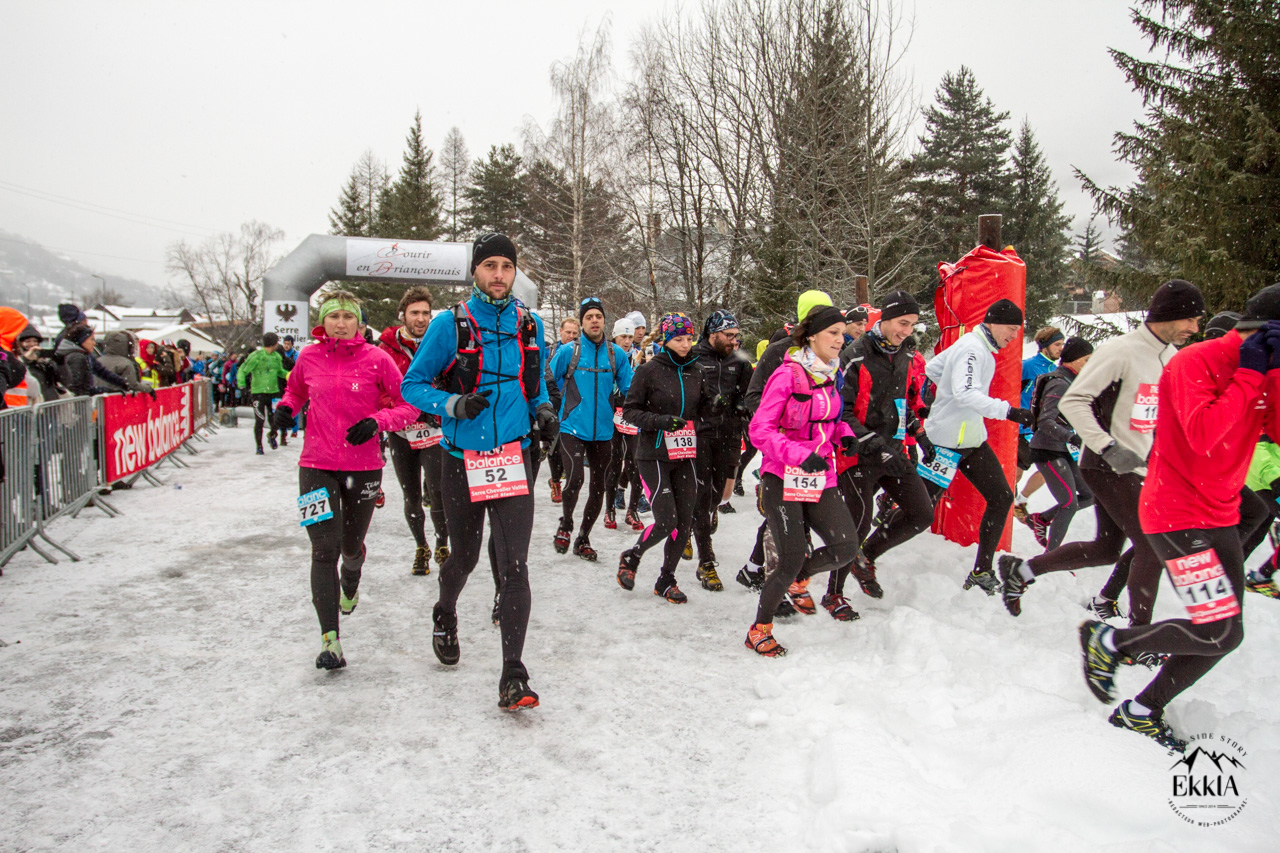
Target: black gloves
point(360, 431)
point(814, 464)
point(1075, 440)
point(718, 406)
point(470, 406)
point(849, 444)
point(927, 451)
point(1019, 416)
point(616, 400)
point(548, 423)
point(1121, 459)
point(282, 419)
point(674, 425)
point(872, 445)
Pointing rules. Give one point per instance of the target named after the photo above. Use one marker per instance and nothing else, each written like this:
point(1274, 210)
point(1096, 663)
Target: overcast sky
point(130, 125)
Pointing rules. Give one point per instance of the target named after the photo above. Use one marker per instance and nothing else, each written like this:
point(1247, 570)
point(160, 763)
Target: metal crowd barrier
point(66, 471)
point(18, 515)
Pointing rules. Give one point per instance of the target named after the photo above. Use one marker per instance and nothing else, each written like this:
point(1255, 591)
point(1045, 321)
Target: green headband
point(338, 303)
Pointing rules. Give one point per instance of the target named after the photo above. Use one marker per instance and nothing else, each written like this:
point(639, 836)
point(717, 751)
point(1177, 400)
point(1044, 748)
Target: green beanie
point(809, 300)
point(338, 303)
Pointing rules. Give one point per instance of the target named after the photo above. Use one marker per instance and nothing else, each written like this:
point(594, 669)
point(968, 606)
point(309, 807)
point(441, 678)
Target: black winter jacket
point(1051, 430)
point(655, 397)
point(727, 377)
point(79, 369)
point(874, 380)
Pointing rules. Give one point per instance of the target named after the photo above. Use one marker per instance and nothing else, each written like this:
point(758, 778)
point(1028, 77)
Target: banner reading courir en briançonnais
point(137, 431)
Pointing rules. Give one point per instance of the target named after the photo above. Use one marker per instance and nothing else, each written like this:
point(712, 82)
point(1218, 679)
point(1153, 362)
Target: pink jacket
point(797, 417)
point(345, 381)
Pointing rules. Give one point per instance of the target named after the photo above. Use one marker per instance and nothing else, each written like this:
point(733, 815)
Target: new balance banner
point(137, 431)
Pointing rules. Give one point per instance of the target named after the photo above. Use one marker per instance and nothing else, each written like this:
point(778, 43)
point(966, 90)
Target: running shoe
point(737, 489)
point(865, 572)
point(444, 636)
point(561, 540)
point(620, 499)
point(985, 579)
point(1152, 725)
point(442, 552)
point(271, 440)
point(753, 581)
point(293, 434)
point(1020, 510)
point(422, 560)
point(330, 656)
point(798, 592)
point(666, 588)
point(1151, 660)
point(555, 491)
point(760, 640)
point(726, 507)
point(582, 547)
point(642, 505)
point(785, 607)
point(610, 520)
point(707, 575)
point(634, 521)
point(1012, 584)
point(1103, 608)
point(348, 605)
point(884, 506)
point(381, 500)
point(1099, 663)
point(514, 695)
point(259, 452)
point(688, 549)
point(1257, 582)
point(284, 442)
point(627, 565)
point(839, 608)
point(1039, 528)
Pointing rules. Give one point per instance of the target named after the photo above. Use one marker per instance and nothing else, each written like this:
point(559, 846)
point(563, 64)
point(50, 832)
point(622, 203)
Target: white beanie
point(637, 320)
point(624, 326)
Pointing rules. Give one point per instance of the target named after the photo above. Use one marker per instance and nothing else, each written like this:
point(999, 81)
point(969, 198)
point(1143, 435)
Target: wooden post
point(861, 290)
point(989, 231)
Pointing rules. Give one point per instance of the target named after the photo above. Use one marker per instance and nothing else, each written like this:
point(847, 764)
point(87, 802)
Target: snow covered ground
point(161, 695)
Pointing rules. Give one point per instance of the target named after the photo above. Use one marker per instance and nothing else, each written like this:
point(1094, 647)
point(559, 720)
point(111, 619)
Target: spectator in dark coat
point(80, 366)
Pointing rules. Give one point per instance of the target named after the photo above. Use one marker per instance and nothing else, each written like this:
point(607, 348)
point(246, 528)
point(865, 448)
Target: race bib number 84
point(1202, 585)
point(942, 470)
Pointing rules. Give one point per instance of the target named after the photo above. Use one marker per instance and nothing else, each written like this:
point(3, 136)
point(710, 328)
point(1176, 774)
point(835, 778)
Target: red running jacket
point(1207, 427)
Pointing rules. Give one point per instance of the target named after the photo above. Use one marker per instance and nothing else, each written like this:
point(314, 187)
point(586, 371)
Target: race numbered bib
point(622, 426)
point(901, 405)
point(315, 507)
point(1203, 587)
point(1146, 403)
point(799, 485)
point(682, 444)
point(497, 473)
point(421, 436)
point(1074, 452)
point(942, 470)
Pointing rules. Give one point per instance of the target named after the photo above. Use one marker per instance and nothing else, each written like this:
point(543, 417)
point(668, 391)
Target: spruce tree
point(350, 217)
point(410, 208)
point(455, 164)
point(1207, 151)
point(496, 195)
point(1036, 227)
point(961, 170)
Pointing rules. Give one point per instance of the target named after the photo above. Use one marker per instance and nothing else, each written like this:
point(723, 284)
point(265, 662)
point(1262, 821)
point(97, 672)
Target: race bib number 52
point(496, 473)
point(1203, 587)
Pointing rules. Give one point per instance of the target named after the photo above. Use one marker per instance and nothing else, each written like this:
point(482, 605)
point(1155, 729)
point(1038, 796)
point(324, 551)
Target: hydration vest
point(572, 396)
point(462, 376)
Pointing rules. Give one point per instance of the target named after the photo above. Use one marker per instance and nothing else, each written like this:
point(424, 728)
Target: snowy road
point(161, 695)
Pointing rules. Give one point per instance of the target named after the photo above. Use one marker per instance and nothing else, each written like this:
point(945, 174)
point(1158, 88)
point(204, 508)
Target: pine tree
point(961, 170)
point(1036, 227)
point(410, 208)
point(455, 164)
point(1207, 152)
point(350, 216)
point(496, 194)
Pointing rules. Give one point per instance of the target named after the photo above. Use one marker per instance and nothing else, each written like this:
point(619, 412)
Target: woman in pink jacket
point(340, 470)
point(797, 429)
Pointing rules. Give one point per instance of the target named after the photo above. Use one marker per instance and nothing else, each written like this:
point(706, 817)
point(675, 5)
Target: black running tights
point(574, 452)
point(418, 472)
point(672, 488)
point(982, 468)
point(1062, 476)
point(828, 518)
point(622, 470)
point(262, 416)
point(1193, 649)
point(351, 498)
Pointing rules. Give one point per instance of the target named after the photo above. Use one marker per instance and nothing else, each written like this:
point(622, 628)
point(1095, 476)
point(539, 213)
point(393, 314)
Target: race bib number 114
point(1202, 585)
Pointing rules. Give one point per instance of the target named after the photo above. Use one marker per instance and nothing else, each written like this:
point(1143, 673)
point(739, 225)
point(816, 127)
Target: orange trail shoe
point(800, 597)
point(760, 640)
point(555, 491)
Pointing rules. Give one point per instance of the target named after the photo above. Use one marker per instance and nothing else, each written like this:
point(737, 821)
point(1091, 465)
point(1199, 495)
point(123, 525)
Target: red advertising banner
point(138, 431)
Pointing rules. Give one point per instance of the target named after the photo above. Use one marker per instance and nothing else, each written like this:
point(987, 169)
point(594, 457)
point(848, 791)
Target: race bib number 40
point(799, 485)
point(496, 473)
point(942, 470)
point(682, 444)
point(1146, 403)
point(1203, 587)
point(622, 426)
point(420, 436)
point(315, 507)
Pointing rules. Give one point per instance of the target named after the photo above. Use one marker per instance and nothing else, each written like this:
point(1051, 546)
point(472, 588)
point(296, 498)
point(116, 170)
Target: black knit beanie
point(79, 333)
point(896, 304)
point(1222, 322)
point(1262, 308)
point(1004, 313)
point(587, 304)
point(1175, 300)
point(1075, 348)
point(489, 245)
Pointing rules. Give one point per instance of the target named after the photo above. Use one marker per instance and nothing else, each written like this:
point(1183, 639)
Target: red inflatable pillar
point(969, 287)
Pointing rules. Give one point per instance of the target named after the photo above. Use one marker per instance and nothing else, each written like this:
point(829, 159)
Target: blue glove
point(1272, 332)
point(1254, 352)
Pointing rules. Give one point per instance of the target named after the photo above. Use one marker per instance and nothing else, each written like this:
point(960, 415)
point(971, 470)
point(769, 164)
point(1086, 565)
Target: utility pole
point(989, 230)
